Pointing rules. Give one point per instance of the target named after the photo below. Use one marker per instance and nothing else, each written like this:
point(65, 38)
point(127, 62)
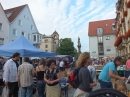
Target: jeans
point(26, 91)
point(105, 84)
point(41, 88)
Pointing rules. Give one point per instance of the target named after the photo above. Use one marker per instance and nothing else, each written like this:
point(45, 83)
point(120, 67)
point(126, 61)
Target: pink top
point(128, 64)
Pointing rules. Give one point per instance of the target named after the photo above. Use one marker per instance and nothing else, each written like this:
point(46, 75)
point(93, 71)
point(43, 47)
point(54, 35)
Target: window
point(46, 46)
point(54, 36)
point(129, 24)
point(108, 48)
point(46, 40)
point(107, 37)
point(37, 38)
point(113, 27)
point(1, 41)
point(29, 36)
point(1, 26)
point(14, 32)
point(34, 37)
point(25, 16)
point(20, 22)
point(99, 31)
point(100, 39)
point(32, 27)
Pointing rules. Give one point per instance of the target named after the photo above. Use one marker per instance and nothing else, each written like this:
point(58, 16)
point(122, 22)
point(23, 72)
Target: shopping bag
point(5, 92)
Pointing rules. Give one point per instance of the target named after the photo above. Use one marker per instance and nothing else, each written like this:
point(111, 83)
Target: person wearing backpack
point(85, 80)
point(52, 78)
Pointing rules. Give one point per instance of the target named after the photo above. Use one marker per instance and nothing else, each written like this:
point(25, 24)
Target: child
point(120, 86)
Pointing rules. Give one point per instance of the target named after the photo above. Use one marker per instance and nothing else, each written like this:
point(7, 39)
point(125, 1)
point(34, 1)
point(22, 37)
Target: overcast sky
point(69, 18)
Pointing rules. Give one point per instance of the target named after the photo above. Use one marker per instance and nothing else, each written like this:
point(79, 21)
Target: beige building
point(4, 27)
point(122, 42)
point(101, 38)
point(50, 43)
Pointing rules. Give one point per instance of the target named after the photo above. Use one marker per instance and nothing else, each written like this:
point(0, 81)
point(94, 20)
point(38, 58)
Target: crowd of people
point(19, 78)
point(109, 71)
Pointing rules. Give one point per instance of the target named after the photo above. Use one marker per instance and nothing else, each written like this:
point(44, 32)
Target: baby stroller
point(106, 93)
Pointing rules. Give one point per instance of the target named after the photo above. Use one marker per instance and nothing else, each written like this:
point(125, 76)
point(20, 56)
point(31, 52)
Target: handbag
point(5, 92)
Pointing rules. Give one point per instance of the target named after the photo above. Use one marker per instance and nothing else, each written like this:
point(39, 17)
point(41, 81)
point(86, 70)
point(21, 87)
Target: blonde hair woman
point(86, 83)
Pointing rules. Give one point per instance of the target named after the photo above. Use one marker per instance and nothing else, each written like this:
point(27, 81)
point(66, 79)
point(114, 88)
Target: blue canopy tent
point(24, 47)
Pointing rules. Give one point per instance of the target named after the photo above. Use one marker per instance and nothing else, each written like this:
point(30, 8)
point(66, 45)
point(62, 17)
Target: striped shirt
point(25, 72)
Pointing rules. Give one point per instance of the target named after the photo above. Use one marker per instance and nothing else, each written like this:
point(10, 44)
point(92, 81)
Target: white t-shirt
point(91, 68)
point(61, 64)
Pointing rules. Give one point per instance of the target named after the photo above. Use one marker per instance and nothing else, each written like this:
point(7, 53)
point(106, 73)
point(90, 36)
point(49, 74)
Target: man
point(128, 63)
point(110, 71)
point(62, 65)
point(1, 65)
point(25, 78)
point(10, 76)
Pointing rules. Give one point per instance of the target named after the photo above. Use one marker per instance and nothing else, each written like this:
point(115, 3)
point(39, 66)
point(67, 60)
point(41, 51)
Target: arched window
point(46, 46)
point(55, 36)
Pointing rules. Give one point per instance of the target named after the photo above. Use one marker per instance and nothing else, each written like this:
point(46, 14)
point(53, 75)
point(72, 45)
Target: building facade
point(50, 43)
point(122, 26)
point(4, 27)
point(101, 38)
point(22, 22)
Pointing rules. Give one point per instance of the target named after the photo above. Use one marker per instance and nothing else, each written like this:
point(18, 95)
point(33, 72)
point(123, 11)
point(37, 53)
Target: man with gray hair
point(25, 78)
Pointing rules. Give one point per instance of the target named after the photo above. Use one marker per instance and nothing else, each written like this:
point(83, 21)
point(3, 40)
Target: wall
point(93, 46)
point(109, 43)
point(5, 29)
point(49, 43)
point(26, 25)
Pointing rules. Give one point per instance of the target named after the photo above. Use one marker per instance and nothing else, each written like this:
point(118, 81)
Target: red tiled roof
point(15, 12)
point(92, 31)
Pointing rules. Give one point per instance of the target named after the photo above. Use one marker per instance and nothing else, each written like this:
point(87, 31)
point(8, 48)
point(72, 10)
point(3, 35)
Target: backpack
point(106, 92)
point(73, 78)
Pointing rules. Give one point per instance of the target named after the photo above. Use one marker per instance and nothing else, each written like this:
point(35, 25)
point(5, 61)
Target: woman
point(52, 78)
point(40, 70)
point(86, 83)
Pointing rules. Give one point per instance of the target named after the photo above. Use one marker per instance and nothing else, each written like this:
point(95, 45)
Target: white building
point(22, 22)
point(101, 38)
point(4, 27)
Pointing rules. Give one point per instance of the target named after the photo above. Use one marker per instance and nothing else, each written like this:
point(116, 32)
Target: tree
point(66, 47)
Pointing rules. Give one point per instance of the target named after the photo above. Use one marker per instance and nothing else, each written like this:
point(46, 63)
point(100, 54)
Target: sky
point(70, 18)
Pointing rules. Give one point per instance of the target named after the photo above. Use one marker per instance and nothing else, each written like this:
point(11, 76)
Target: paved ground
point(71, 91)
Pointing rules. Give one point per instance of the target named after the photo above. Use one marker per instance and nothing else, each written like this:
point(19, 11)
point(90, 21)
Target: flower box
point(125, 13)
point(128, 4)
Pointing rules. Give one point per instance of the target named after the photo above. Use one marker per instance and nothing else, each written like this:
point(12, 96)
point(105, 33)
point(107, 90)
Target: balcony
point(100, 49)
point(119, 5)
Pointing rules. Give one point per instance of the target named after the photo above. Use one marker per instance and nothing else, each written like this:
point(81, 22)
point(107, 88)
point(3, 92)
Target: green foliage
point(124, 60)
point(66, 47)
